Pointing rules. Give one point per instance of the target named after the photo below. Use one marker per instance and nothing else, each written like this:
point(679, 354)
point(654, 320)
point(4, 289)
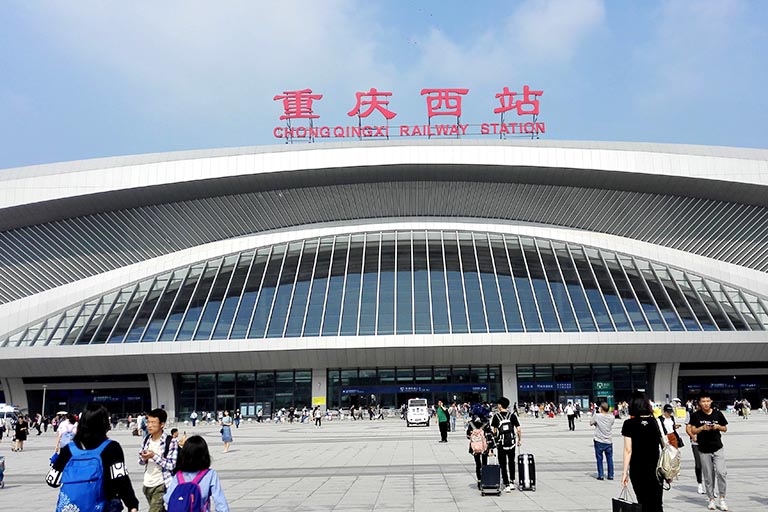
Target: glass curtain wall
point(248, 392)
point(392, 387)
point(584, 383)
point(404, 282)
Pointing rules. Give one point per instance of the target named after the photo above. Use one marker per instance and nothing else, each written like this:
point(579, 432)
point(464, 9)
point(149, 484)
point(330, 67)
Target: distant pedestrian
point(21, 431)
point(226, 430)
point(193, 418)
point(443, 421)
point(570, 412)
point(238, 417)
point(66, 431)
point(318, 415)
point(194, 465)
point(603, 422)
point(453, 412)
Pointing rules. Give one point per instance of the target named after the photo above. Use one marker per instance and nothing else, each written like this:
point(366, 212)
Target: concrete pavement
point(382, 465)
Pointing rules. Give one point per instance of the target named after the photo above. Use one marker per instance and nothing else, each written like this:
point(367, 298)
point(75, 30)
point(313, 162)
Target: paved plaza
point(364, 465)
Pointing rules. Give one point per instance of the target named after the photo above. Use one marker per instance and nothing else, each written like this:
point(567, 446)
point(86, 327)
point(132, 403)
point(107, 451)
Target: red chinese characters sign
point(375, 101)
point(299, 104)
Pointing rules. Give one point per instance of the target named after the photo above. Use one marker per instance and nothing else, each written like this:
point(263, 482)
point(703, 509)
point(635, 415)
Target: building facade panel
point(247, 278)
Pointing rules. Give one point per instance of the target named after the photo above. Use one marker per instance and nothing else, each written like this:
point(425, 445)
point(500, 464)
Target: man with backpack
point(506, 429)
point(158, 454)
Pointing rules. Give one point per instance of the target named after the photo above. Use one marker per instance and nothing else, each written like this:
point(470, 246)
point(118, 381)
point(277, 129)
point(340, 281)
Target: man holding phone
point(707, 424)
point(158, 456)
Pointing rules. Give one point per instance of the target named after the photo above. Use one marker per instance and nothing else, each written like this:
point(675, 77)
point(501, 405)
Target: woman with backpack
point(481, 442)
point(92, 452)
point(194, 483)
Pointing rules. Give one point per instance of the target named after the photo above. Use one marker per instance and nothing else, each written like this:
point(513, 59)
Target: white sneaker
point(711, 505)
point(701, 489)
point(509, 488)
point(723, 505)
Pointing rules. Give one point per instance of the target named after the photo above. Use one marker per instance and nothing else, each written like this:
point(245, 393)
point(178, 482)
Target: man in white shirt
point(603, 422)
point(570, 411)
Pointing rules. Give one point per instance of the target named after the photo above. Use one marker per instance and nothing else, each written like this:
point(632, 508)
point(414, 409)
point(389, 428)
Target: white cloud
point(536, 34)
point(194, 53)
point(554, 29)
point(694, 50)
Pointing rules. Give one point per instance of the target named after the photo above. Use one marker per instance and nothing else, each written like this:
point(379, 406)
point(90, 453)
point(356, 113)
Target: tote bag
point(625, 502)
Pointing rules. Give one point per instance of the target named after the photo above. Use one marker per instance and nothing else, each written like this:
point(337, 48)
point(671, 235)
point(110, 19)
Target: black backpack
point(168, 440)
point(506, 432)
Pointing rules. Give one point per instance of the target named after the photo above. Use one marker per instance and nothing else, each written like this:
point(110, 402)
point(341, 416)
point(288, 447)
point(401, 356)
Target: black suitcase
point(490, 481)
point(526, 472)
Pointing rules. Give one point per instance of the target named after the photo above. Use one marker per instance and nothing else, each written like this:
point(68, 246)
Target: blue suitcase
point(490, 481)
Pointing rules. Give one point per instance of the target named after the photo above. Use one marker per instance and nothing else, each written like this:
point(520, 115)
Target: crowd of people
point(170, 465)
point(171, 462)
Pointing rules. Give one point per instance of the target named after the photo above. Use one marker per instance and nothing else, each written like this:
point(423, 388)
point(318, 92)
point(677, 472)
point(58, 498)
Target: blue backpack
point(187, 496)
point(82, 482)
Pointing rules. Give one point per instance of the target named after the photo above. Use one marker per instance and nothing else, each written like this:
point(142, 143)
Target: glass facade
point(404, 282)
point(246, 391)
point(584, 383)
point(392, 387)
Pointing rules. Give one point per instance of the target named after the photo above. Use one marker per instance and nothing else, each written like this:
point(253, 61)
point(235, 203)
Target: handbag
point(626, 502)
point(668, 466)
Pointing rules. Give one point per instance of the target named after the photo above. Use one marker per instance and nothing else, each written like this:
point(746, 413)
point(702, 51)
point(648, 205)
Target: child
point(194, 458)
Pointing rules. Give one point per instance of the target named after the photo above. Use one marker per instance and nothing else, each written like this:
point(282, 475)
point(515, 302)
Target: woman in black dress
point(21, 431)
point(642, 444)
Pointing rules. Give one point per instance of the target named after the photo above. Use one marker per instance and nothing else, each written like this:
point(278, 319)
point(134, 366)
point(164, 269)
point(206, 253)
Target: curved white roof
point(41, 183)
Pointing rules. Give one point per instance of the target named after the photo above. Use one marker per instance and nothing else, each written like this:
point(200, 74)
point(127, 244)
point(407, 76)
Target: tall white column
point(509, 382)
point(15, 394)
point(162, 394)
point(665, 382)
point(319, 387)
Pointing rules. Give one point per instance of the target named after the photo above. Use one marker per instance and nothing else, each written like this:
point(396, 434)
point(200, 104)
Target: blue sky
point(83, 79)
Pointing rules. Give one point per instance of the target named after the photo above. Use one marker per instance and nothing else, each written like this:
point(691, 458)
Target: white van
point(417, 413)
point(8, 412)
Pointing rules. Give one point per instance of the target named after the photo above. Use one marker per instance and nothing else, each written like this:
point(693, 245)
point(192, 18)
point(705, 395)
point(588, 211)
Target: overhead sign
point(420, 388)
point(439, 103)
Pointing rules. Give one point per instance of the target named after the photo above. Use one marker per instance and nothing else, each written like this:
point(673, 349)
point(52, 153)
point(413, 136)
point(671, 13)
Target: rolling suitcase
point(490, 481)
point(526, 471)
